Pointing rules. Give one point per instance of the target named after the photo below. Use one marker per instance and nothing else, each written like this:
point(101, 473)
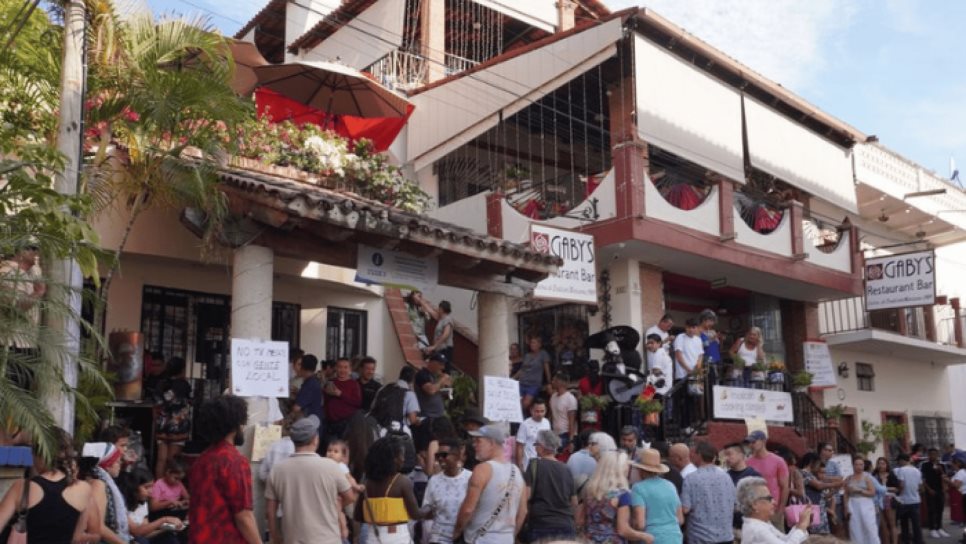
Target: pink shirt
point(161, 491)
point(773, 469)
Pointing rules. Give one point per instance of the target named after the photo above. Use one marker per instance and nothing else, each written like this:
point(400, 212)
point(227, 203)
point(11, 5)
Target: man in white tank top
point(496, 500)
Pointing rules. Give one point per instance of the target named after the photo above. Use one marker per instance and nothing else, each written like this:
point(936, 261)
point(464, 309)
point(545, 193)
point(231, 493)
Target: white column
point(625, 280)
point(493, 312)
point(251, 317)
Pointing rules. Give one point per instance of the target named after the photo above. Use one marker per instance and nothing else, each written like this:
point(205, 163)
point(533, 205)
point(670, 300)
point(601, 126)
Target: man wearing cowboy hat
point(655, 501)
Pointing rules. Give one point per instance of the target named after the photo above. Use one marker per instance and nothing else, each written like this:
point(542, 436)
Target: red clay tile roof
point(274, 7)
point(329, 24)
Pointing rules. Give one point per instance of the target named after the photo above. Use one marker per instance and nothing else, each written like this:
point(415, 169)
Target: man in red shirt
point(343, 397)
point(221, 478)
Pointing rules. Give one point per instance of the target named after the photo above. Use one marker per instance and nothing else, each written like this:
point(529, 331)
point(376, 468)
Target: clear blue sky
point(894, 68)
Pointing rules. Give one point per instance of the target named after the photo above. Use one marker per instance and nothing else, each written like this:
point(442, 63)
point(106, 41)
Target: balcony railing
point(404, 71)
point(689, 414)
point(849, 315)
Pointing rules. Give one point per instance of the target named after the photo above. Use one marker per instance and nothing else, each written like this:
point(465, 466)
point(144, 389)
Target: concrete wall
point(914, 388)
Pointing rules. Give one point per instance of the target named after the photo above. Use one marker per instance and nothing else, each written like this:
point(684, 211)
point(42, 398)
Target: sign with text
point(818, 362)
point(576, 280)
point(900, 281)
point(395, 268)
point(501, 399)
point(259, 368)
point(742, 403)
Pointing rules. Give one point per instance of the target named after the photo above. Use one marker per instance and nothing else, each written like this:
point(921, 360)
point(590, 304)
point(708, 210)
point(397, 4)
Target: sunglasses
point(768, 498)
point(442, 455)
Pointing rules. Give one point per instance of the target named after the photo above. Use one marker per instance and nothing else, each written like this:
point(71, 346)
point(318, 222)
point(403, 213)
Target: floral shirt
point(221, 486)
point(602, 517)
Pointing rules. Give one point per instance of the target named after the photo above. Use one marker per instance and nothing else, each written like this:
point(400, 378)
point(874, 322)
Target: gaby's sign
point(576, 279)
point(900, 281)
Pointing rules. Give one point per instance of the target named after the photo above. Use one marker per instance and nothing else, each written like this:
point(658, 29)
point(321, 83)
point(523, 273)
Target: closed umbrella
point(332, 88)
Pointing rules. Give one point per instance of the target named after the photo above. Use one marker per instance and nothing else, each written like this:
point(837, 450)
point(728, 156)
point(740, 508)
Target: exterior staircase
point(465, 341)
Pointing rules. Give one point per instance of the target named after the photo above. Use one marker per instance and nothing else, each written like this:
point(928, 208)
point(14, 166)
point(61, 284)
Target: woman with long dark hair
point(388, 503)
point(56, 499)
point(884, 475)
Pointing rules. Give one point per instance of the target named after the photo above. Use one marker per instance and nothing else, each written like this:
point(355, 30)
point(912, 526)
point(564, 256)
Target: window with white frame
point(345, 333)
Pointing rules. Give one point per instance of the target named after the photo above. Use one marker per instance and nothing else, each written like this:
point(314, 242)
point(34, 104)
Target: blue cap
point(756, 436)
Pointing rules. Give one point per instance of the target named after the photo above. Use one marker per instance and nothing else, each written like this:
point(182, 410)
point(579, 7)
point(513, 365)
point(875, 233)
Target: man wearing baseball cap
point(496, 501)
point(773, 469)
point(308, 487)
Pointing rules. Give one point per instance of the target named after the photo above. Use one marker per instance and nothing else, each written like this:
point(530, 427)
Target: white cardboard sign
point(501, 399)
point(743, 403)
point(576, 280)
point(818, 362)
point(259, 368)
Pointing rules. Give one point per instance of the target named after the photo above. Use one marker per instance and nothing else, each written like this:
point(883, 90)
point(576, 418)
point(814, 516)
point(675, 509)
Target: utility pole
point(65, 276)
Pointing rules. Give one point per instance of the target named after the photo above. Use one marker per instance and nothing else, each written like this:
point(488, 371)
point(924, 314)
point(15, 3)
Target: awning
point(779, 146)
point(541, 14)
point(684, 110)
point(361, 41)
point(455, 111)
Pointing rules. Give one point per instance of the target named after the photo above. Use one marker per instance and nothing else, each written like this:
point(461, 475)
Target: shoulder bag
point(504, 503)
point(18, 531)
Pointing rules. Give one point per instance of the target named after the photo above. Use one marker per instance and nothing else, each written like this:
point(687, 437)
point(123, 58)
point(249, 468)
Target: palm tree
point(161, 108)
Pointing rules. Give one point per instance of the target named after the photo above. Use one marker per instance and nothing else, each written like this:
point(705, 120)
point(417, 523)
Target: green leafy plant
point(834, 412)
point(464, 395)
point(759, 367)
point(648, 406)
point(593, 402)
point(802, 379)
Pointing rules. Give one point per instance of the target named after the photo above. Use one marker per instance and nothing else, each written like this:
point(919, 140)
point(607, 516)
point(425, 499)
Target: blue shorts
point(529, 390)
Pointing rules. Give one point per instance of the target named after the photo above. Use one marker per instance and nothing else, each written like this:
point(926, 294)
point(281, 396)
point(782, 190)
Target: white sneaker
point(933, 534)
point(944, 534)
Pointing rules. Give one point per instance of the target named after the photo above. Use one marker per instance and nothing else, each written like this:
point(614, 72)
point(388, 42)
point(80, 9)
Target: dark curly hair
point(381, 458)
point(218, 417)
point(129, 482)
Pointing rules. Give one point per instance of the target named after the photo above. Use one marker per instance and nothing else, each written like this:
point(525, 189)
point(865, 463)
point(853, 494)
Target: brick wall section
point(799, 323)
point(652, 296)
point(720, 434)
point(403, 326)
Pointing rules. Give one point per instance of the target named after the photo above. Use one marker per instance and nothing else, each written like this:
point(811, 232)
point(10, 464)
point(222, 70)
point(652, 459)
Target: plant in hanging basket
point(648, 406)
point(834, 413)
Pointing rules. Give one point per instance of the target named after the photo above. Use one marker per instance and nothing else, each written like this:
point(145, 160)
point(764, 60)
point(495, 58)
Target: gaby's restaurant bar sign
point(900, 281)
point(576, 280)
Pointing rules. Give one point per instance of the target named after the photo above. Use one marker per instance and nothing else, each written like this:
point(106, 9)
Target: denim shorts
point(531, 390)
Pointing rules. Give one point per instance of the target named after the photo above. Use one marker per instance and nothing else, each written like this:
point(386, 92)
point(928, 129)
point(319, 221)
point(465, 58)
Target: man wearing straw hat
point(655, 501)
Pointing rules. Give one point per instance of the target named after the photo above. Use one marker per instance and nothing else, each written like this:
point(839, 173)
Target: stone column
point(566, 12)
point(251, 317)
point(627, 309)
point(493, 313)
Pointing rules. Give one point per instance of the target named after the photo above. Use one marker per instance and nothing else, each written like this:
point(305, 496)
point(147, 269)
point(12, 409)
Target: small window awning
point(305, 221)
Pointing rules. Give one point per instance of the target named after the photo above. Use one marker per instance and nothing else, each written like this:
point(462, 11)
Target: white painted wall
point(299, 20)
point(778, 241)
point(915, 388)
point(469, 213)
point(704, 218)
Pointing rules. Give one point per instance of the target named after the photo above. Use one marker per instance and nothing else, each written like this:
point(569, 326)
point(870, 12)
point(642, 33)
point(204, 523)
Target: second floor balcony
point(925, 333)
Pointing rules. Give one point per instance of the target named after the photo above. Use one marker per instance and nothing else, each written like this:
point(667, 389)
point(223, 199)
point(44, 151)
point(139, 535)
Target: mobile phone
point(168, 527)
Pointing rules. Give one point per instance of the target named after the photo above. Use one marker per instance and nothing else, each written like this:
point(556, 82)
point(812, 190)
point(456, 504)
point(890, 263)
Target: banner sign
point(576, 280)
point(259, 368)
point(395, 268)
point(900, 281)
point(501, 399)
point(742, 403)
point(818, 362)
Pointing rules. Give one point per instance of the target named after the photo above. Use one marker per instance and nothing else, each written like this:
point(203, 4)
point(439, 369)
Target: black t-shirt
point(369, 390)
point(429, 405)
point(551, 489)
point(737, 476)
point(673, 475)
point(932, 476)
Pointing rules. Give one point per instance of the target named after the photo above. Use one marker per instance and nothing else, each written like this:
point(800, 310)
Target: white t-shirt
point(960, 477)
point(527, 435)
point(444, 495)
point(660, 359)
point(656, 330)
point(560, 406)
point(911, 479)
point(692, 348)
point(140, 514)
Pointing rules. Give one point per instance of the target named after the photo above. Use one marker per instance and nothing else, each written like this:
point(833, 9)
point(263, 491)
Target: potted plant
point(696, 381)
point(590, 407)
point(833, 415)
point(651, 410)
point(758, 371)
point(801, 380)
point(776, 371)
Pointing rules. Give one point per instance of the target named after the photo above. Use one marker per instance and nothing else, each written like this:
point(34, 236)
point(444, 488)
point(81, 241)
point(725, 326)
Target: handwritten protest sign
point(265, 436)
point(259, 368)
point(501, 399)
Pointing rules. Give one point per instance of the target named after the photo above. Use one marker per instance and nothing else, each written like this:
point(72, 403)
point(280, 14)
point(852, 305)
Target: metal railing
point(687, 414)
point(849, 315)
point(404, 71)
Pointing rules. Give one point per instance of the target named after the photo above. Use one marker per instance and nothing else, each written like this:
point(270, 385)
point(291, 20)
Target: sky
point(893, 68)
